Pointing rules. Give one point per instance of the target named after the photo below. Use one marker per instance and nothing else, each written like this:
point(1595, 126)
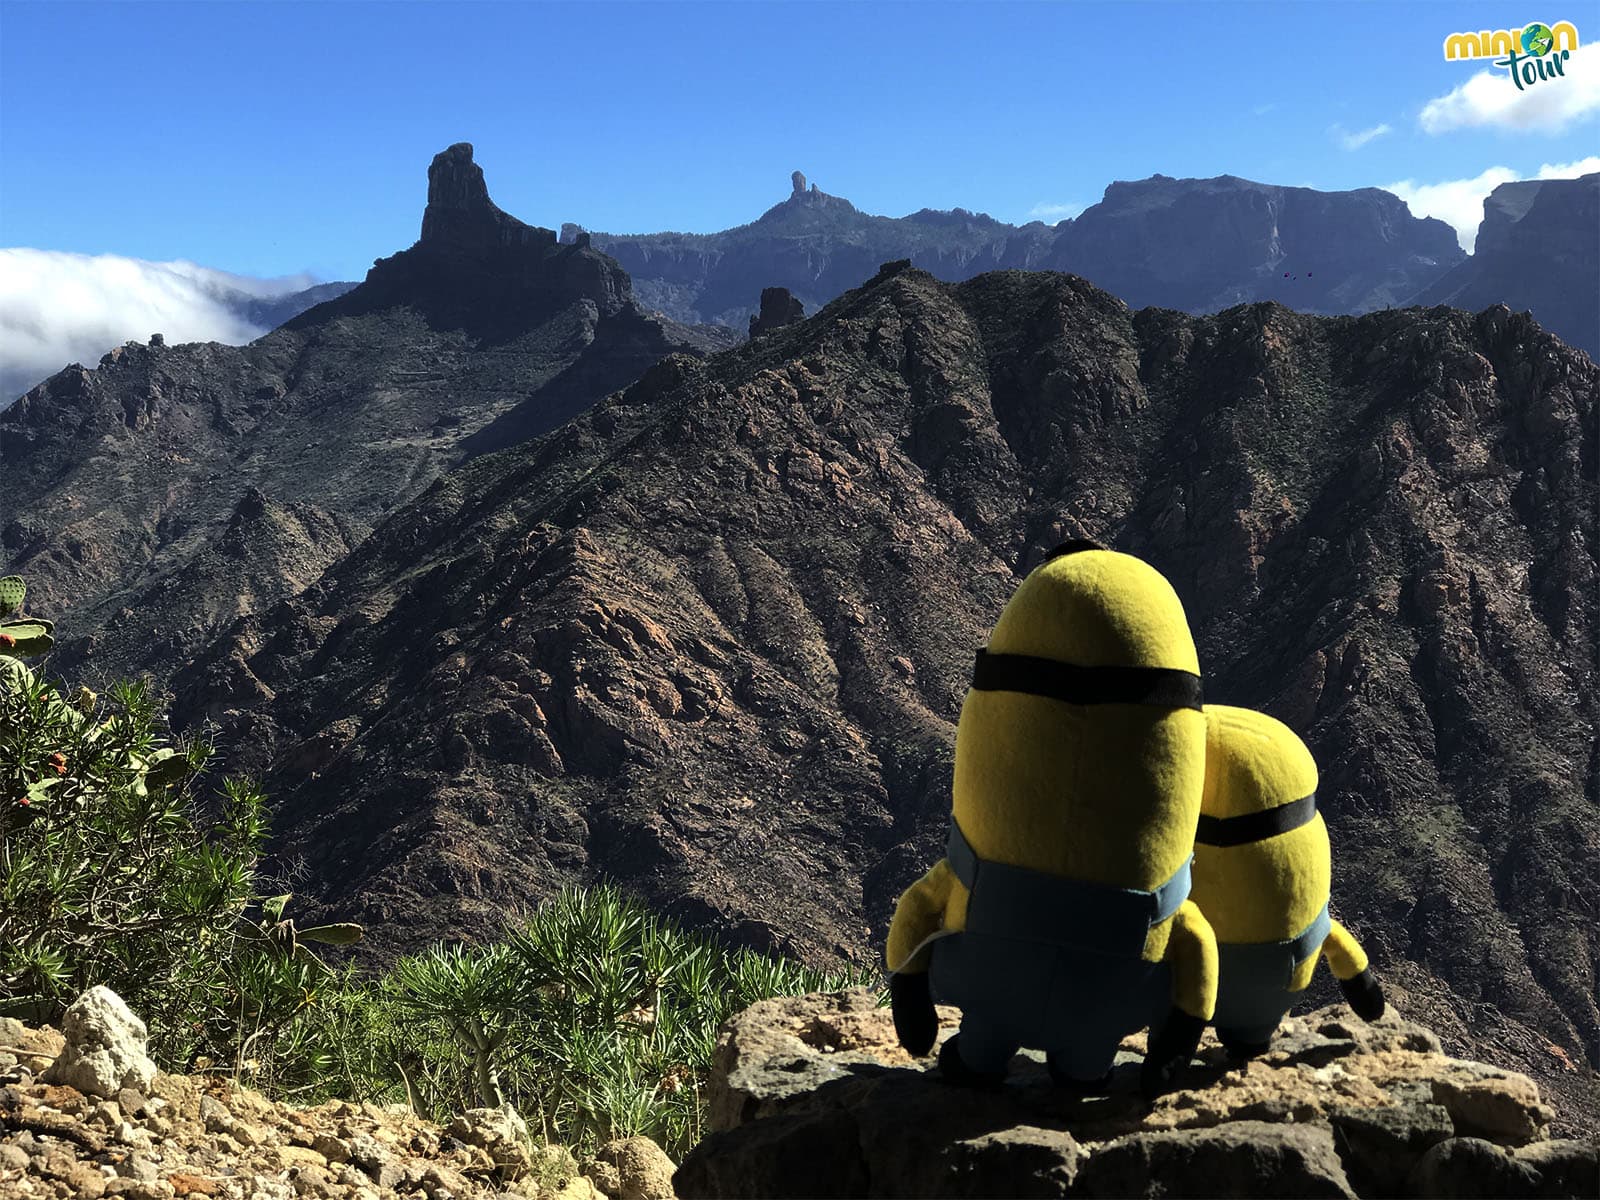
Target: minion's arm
point(919, 913)
point(1192, 952)
point(1345, 956)
point(1349, 964)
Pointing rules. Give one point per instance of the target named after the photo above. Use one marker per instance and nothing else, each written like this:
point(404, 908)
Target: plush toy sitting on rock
point(1059, 919)
point(1262, 870)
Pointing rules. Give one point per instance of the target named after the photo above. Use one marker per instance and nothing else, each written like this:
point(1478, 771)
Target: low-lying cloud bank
point(1459, 202)
point(58, 308)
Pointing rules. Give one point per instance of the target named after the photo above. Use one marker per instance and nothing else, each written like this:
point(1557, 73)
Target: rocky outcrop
point(1197, 245)
point(124, 485)
point(481, 270)
point(162, 1135)
point(1201, 245)
point(813, 1096)
point(778, 308)
point(1538, 249)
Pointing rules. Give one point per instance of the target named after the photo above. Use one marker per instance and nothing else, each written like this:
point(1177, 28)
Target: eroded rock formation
point(813, 1096)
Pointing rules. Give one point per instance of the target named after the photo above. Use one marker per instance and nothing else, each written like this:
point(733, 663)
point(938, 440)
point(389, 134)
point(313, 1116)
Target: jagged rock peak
point(778, 308)
point(459, 209)
point(805, 197)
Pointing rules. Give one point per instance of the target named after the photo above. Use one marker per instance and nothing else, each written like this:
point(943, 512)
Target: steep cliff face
point(1538, 249)
point(1204, 244)
point(1198, 245)
point(124, 485)
point(711, 638)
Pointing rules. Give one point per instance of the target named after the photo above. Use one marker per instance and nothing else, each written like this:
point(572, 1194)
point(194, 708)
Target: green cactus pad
point(341, 933)
point(12, 590)
point(26, 637)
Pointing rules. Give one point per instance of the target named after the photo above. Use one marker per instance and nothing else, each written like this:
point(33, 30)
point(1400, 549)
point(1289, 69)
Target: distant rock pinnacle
point(460, 212)
point(778, 308)
point(799, 180)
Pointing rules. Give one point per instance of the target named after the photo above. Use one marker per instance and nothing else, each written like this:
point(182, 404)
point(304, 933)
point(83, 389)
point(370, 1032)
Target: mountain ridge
point(709, 638)
point(123, 480)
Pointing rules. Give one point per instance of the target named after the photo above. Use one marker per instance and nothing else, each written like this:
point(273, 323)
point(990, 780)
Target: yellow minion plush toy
point(1059, 918)
point(1262, 870)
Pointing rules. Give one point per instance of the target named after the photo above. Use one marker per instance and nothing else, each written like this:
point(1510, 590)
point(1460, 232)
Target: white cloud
point(1459, 202)
point(1055, 212)
point(1354, 141)
point(58, 308)
point(1491, 98)
point(1262, 110)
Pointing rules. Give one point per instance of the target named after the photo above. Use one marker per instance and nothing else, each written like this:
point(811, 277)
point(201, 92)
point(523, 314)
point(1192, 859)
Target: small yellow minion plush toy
point(1262, 870)
point(1059, 918)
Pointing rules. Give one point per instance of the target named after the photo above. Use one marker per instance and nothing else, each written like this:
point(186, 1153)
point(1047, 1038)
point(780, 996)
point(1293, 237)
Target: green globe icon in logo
point(1537, 39)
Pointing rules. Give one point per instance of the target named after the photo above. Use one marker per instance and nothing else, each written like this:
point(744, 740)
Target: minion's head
point(1093, 607)
point(1253, 763)
point(1080, 749)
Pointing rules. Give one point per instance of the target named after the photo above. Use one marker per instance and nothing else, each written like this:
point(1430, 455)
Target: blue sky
point(154, 154)
point(275, 138)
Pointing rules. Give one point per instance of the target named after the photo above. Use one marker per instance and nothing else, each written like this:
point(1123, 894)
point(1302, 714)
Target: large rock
point(632, 1168)
point(778, 308)
point(105, 1047)
point(812, 1095)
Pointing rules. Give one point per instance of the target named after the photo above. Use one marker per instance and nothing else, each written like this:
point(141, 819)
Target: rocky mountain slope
point(156, 498)
point(812, 1096)
point(711, 637)
point(1193, 244)
point(1538, 249)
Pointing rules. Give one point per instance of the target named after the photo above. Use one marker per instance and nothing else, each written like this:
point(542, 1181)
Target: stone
point(105, 1046)
point(500, 1131)
point(643, 1170)
point(1380, 1146)
point(1467, 1168)
point(1567, 1166)
point(1246, 1158)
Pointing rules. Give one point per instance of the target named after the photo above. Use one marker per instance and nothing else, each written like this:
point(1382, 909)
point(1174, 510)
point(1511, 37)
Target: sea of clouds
point(58, 308)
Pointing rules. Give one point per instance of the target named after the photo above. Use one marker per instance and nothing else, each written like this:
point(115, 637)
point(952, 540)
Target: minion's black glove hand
point(1171, 1048)
point(915, 1022)
point(1364, 995)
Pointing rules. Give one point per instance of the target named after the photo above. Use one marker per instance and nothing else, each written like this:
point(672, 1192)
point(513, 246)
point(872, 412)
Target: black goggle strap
point(1256, 826)
point(1073, 547)
point(1161, 687)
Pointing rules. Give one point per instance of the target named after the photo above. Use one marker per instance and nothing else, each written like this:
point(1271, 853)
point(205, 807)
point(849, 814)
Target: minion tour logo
point(1533, 53)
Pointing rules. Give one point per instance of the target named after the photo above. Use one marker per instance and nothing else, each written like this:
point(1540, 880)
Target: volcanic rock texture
point(154, 500)
point(711, 637)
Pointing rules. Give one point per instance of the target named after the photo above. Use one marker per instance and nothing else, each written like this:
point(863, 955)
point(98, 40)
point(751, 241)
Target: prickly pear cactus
point(20, 637)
